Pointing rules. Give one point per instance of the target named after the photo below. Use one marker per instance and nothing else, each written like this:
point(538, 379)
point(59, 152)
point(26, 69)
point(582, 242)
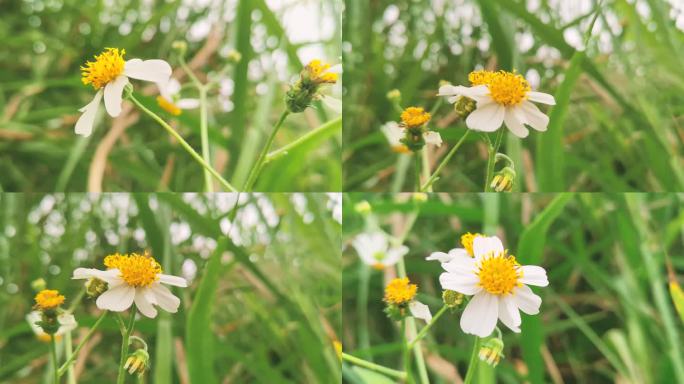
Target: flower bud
point(419, 197)
point(234, 56)
point(95, 287)
point(38, 284)
point(338, 349)
point(464, 106)
point(180, 46)
point(491, 351)
point(452, 299)
point(503, 180)
point(137, 362)
point(394, 96)
point(363, 207)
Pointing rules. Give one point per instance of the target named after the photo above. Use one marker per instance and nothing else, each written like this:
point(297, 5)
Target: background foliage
point(606, 316)
point(263, 304)
point(45, 42)
point(617, 125)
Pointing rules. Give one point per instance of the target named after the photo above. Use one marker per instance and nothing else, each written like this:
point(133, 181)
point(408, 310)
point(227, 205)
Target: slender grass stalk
point(362, 307)
point(304, 139)
point(416, 159)
point(425, 170)
point(491, 160)
point(53, 356)
point(183, 143)
point(431, 180)
point(374, 367)
point(68, 352)
point(121, 378)
point(472, 365)
point(427, 327)
point(72, 357)
point(256, 169)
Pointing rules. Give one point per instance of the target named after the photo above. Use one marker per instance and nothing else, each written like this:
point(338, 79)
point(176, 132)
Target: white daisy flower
point(499, 286)
point(134, 278)
point(109, 75)
point(413, 122)
point(67, 323)
point(501, 97)
point(375, 250)
point(169, 98)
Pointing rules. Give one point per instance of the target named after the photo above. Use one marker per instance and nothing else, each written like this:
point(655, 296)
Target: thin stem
point(184, 144)
point(68, 352)
point(416, 158)
point(124, 347)
point(427, 327)
point(425, 169)
point(491, 160)
point(444, 162)
point(407, 352)
point(374, 367)
point(80, 345)
point(53, 356)
point(256, 169)
point(280, 152)
point(473, 362)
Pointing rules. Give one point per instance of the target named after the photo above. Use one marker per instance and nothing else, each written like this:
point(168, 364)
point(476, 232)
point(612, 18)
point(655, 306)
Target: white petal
point(509, 314)
point(484, 245)
point(337, 68)
point(333, 103)
point(476, 93)
point(534, 275)
point(117, 299)
point(440, 256)
point(533, 116)
point(432, 137)
point(393, 132)
point(514, 123)
point(165, 298)
point(460, 263)
point(143, 303)
point(462, 283)
point(480, 315)
point(188, 103)
point(451, 90)
point(486, 118)
point(84, 125)
point(540, 97)
point(420, 311)
point(394, 254)
point(526, 300)
point(172, 280)
point(112, 95)
point(110, 276)
point(157, 71)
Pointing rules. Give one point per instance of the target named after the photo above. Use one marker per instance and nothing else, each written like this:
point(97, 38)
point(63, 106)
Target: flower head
point(412, 133)
point(375, 250)
point(109, 75)
point(400, 291)
point(467, 250)
point(498, 284)
point(134, 278)
point(169, 98)
point(48, 299)
point(413, 117)
point(467, 241)
point(66, 322)
point(319, 73)
point(501, 97)
point(307, 89)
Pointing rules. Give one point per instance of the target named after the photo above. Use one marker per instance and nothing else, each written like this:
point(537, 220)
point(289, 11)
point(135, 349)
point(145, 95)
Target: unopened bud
point(491, 351)
point(234, 56)
point(38, 284)
point(137, 362)
point(363, 207)
point(503, 180)
point(95, 287)
point(451, 298)
point(394, 96)
point(180, 46)
point(464, 106)
point(420, 197)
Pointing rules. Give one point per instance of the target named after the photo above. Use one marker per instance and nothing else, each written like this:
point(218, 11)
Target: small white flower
point(375, 250)
point(66, 321)
point(134, 278)
point(501, 97)
point(170, 91)
point(420, 311)
point(498, 285)
point(109, 75)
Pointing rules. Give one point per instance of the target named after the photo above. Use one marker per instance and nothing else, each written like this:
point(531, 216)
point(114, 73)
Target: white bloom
point(170, 91)
point(501, 97)
point(394, 132)
point(134, 278)
point(498, 285)
point(420, 311)
point(66, 321)
point(109, 74)
point(375, 250)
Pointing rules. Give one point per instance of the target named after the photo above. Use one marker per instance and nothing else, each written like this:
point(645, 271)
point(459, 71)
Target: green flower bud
point(452, 299)
point(363, 207)
point(503, 180)
point(394, 96)
point(38, 284)
point(137, 362)
point(491, 351)
point(95, 287)
point(464, 106)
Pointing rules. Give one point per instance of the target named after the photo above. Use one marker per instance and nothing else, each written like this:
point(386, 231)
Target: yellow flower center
point(136, 270)
point(414, 117)
point(168, 106)
point(400, 291)
point(318, 72)
point(499, 274)
point(505, 88)
point(106, 67)
point(467, 241)
point(48, 299)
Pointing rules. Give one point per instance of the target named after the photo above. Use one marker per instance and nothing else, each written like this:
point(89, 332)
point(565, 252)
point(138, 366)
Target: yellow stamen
point(136, 270)
point(401, 149)
point(467, 241)
point(106, 67)
point(480, 77)
point(400, 291)
point(168, 106)
point(505, 88)
point(414, 117)
point(499, 274)
point(48, 299)
point(318, 72)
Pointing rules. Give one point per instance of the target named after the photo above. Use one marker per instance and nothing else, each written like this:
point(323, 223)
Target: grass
point(618, 102)
point(259, 308)
point(606, 316)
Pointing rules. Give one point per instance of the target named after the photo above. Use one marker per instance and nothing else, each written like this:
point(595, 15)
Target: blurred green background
point(606, 316)
point(46, 41)
point(263, 304)
point(617, 125)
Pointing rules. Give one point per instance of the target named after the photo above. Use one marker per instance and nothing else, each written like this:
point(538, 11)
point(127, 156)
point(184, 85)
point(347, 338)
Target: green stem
point(374, 367)
point(183, 143)
point(256, 169)
point(427, 327)
point(491, 160)
point(407, 353)
point(473, 362)
point(204, 135)
point(425, 169)
point(53, 356)
point(416, 158)
point(434, 176)
point(124, 347)
point(80, 345)
point(68, 352)
point(309, 136)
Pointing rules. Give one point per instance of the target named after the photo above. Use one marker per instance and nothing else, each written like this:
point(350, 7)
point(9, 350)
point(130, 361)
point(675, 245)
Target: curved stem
point(256, 169)
point(427, 327)
point(80, 345)
point(444, 162)
point(53, 356)
point(373, 367)
point(184, 144)
point(473, 362)
point(493, 149)
point(124, 347)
